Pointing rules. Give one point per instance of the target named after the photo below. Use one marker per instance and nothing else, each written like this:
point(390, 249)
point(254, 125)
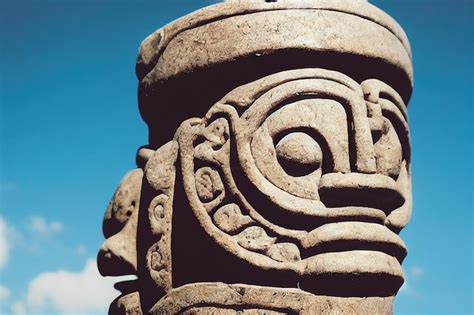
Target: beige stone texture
point(221, 298)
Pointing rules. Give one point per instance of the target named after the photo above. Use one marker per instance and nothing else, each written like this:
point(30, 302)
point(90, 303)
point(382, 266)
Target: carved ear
point(157, 214)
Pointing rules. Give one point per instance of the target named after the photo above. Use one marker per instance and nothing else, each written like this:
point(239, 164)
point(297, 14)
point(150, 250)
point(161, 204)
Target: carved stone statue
point(277, 175)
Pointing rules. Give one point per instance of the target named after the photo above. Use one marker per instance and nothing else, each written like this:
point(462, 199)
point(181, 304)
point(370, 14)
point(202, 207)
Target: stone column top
point(262, 29)
point(276, 179)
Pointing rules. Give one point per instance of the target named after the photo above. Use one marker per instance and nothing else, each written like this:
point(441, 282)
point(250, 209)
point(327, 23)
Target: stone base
point(221, 298)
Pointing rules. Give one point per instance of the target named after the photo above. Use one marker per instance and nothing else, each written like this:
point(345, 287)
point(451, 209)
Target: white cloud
point(69, 292)
point(4, 242)
point(41, 227)
point(4, 293)
point(38, 224)
point(56, 226)
point(18, 308)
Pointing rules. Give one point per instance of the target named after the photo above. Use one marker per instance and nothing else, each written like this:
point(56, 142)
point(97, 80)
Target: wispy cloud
point(30, 235)
point(68, 292)
point(408, 290)
point(416, 272)
point(41, 227)
point(412, 275)
point(81, 250)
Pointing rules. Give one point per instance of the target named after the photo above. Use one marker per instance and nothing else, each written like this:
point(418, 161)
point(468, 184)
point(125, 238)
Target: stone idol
point(277, 175)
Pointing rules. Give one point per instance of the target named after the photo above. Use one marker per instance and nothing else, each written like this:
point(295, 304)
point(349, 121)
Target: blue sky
point(69, 130)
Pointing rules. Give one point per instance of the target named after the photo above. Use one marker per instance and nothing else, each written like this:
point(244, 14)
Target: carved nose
point(361, 190)
point(116, 258)
point(118, 254)
point(363, 147)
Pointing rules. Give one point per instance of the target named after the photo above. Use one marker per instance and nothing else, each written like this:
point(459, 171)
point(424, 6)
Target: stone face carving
point(277, 177)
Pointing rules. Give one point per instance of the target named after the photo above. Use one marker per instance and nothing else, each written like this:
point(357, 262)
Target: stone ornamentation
point(277, 175)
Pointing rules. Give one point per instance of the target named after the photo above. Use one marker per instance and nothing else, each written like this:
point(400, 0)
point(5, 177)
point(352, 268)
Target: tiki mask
point(279, 175)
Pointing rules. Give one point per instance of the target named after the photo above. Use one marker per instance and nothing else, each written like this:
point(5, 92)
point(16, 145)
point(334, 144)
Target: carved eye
point(299, 154)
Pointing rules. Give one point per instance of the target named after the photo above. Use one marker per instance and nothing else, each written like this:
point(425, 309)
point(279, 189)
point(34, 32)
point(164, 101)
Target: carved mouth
point(352, 259)
point(127, 286)
point(352, 236)
point(128, 302)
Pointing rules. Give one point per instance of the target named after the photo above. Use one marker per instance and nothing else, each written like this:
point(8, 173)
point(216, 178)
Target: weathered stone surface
point(277, 176)
point(246, 298)
point(230, 219)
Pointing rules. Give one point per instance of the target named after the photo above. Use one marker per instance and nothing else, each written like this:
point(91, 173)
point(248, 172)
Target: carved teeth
point(354, 262)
